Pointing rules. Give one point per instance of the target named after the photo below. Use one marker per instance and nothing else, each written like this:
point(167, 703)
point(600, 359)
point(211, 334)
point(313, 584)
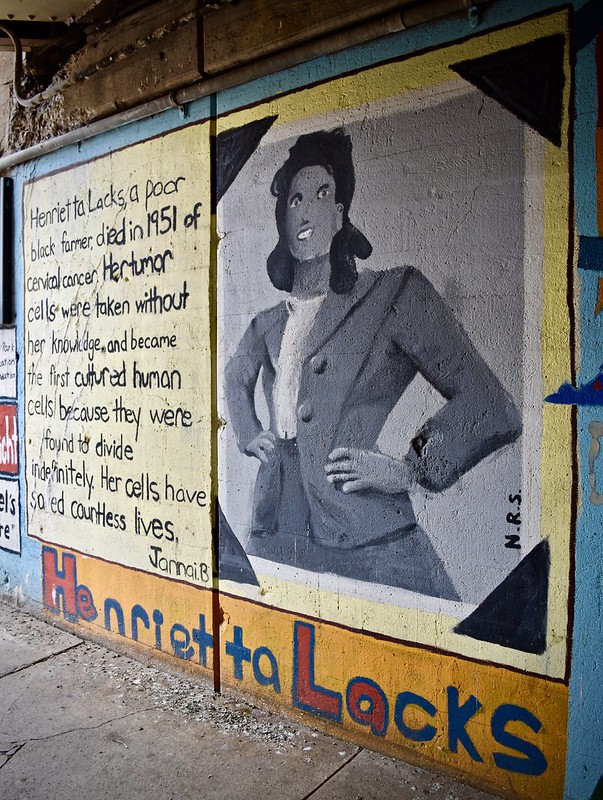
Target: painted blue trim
point(584, 751)
point(584, 764)
point(590, 327)
point(585, 163)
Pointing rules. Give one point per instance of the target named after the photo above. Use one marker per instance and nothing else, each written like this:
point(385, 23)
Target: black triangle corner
point(233, 149)
point(233, 564)
point(527, 80)
point(515, 614)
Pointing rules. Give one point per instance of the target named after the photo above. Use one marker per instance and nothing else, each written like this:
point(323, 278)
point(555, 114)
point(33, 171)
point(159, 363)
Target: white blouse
point(302, 314)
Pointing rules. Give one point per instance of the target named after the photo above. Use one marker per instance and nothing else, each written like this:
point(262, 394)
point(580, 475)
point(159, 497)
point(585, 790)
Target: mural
point(325, 498)
point(386, 461)
point(370, 340)
point(284, 410)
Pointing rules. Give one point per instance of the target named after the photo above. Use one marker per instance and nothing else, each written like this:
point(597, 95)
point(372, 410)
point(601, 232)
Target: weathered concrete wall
point(300, 408)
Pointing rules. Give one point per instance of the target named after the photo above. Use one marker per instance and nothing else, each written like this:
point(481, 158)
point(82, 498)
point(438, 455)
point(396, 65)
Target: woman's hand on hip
point(262, 446)
point(355, 469)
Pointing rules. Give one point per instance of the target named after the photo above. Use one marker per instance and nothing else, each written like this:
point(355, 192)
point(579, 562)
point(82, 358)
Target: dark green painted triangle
point(515, 613)
point(527, 80)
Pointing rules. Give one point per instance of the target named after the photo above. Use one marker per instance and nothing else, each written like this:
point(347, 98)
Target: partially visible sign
point(10, 538)
point(9, 440)
point(8, 363)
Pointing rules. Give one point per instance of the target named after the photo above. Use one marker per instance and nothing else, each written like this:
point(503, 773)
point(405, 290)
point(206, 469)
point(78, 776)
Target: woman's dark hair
point(333, 151)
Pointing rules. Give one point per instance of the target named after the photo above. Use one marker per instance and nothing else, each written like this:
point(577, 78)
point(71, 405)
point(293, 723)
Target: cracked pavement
point(76, 717)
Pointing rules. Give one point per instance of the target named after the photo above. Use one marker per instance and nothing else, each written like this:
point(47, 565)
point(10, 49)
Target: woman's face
point(312, 215)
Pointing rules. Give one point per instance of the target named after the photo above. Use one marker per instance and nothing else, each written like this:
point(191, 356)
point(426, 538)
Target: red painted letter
point(57, 582)
point(306, 694)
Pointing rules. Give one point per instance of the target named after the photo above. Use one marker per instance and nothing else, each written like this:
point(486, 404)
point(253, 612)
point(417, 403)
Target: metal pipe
point(407, 17)
point(18, 69)
point(37, 99)
point(78, 77)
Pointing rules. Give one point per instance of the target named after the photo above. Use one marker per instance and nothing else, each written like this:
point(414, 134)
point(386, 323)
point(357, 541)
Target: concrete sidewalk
point(79, 720)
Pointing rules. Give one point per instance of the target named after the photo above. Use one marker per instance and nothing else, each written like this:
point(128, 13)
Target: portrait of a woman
point(334, 357)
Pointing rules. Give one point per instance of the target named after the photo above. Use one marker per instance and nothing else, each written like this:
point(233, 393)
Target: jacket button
point(319, 364)
point(305, 412)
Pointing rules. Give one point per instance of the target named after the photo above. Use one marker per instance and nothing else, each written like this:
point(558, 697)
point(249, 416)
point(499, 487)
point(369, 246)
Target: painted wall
point(300, 408)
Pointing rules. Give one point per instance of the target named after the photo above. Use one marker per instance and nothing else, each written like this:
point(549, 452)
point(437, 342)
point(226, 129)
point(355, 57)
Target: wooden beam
point(250, 29)
point(155, 70)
